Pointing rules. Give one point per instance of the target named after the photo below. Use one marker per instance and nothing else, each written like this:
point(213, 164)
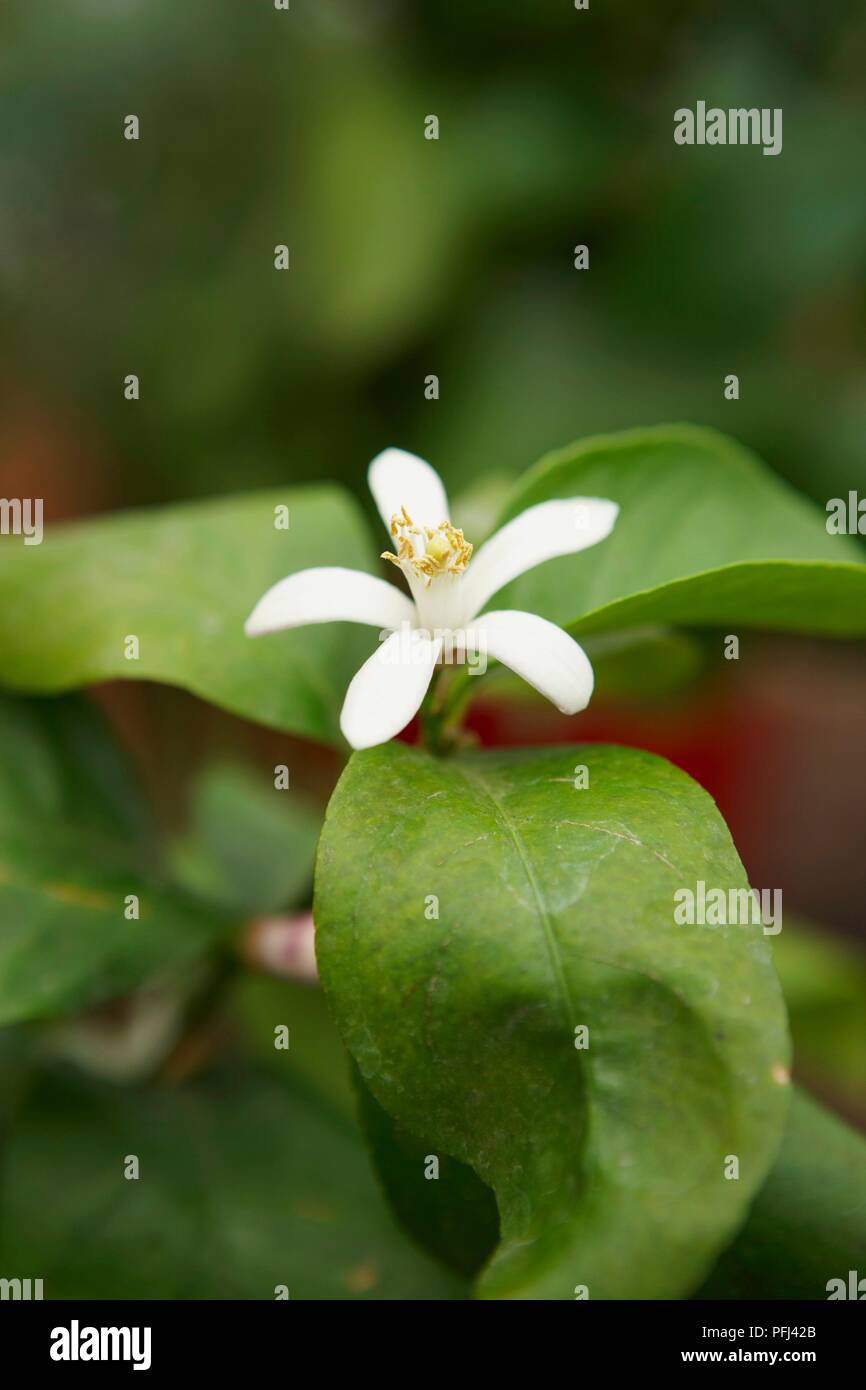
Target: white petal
point(539, 651)
point(540, 533)
point(329, 595)
point(398, 480)
point(389, 688)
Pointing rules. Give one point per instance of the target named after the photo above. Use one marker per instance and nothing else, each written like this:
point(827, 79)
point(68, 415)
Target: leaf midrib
point(478, 782)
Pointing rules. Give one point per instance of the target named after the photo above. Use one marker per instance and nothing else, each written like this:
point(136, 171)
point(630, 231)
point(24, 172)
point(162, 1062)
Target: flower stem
point(441, 710)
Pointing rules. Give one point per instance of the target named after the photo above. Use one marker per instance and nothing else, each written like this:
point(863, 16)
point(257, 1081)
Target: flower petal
point(329, 595)
point(540, 533)
point(539, 651)
point(398, 480)
point(389, 688)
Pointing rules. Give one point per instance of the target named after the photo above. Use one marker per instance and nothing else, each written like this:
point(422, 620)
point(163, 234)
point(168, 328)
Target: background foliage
point(409, 257)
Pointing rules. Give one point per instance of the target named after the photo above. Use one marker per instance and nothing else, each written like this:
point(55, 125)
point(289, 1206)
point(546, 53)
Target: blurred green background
point(409, 258)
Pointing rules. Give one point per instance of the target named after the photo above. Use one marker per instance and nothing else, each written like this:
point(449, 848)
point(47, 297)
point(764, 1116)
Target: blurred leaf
point(643, 664)
point(249, 847)
point(478, 505)
point(69, 860)
point(182, 580)
point(379, 225)
point(57, 756)
point(17, 1047)
point(556, 909)
point(824, 983)
point(245, 1184)
point(316, 1053)
point(808, 1223)
point(705, 535)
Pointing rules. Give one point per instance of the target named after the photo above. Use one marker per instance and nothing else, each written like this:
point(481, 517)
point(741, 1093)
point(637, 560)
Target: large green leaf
point(808, 1224)
point(705, 535)
point(75, 844)
point(183, 580)
point(556, 910)
point(245, 1183)
point(454, 1216)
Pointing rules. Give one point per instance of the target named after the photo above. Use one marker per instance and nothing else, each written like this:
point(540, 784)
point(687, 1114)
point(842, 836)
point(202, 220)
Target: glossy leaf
point(182, 580)
point(808, 1224)
point(556, 911)
point(446, 1209)
point(705, 535)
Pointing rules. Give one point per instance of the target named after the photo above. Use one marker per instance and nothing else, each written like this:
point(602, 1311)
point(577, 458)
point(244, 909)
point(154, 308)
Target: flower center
point(427, 551)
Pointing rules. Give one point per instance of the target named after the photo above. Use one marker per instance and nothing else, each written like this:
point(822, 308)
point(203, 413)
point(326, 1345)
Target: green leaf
point(249, 847)
point(556, 910)
point(454, 1218)
point(316, 1054)
point(75, 843)
point(449, 1212)
point(245, 1183)
point(183, 580)
point(705, 535)
point(58, 756)
point(824, 982)
point(644, 664)
point(808, 1225)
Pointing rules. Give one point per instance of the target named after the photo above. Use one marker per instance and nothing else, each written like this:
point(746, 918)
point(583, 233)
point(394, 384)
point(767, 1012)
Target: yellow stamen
point(445, 548)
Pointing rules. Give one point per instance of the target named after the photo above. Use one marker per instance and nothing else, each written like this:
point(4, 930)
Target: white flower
point(449, 590)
